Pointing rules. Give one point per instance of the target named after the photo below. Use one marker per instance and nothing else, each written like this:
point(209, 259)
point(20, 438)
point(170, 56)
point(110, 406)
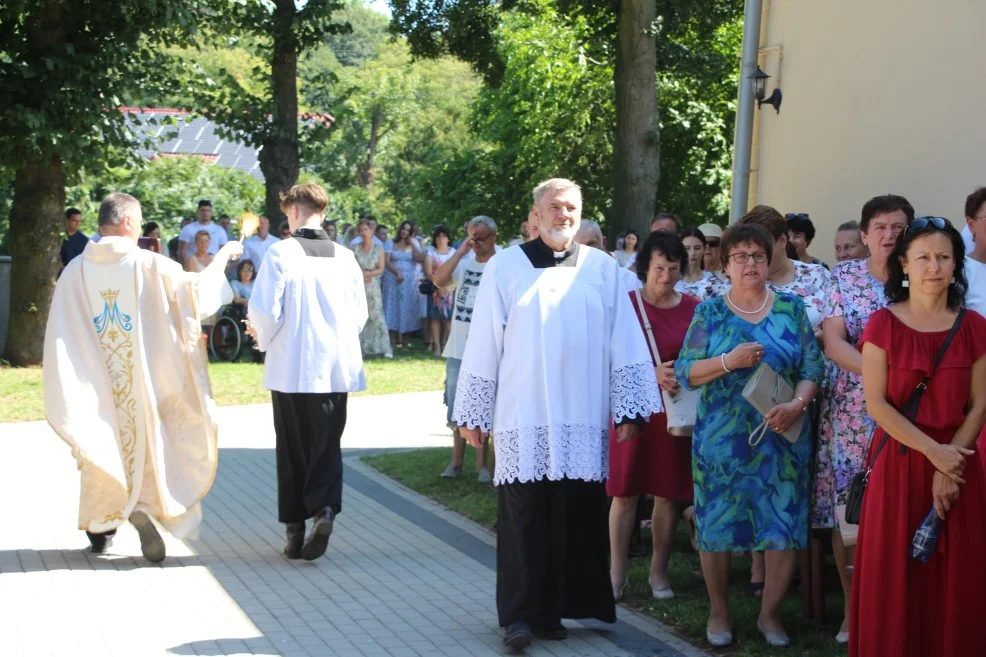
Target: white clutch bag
point(765, 390)
point(681, 407)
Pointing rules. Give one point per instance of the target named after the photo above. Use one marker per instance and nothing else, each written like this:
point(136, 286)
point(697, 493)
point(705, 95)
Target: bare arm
point(947, 459)
point(416, 251)
point(743, 356)
point(389, 264)
point(969, 430)
point(443, 275)
point(380, 266)
point(837, 347)
point(429, 269)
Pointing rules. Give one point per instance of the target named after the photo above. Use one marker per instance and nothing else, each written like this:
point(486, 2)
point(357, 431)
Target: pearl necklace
point(749, 312)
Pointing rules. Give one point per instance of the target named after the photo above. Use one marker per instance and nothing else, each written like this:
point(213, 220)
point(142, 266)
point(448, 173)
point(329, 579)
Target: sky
point(379, 5)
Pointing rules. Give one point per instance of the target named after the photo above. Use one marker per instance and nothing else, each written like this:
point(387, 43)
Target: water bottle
point(926, 537)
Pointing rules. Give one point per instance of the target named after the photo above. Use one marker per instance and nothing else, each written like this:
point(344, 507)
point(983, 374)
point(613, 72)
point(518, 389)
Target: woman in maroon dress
point(901, 607)
point(656, 462)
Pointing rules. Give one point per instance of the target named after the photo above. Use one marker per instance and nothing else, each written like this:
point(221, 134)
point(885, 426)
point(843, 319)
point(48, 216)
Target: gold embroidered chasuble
point(126, 383)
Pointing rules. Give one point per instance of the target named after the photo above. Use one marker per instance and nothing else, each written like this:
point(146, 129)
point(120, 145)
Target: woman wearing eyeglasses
point(243, 285)
point(901, 606)
point(749, 495)
point(856, 291)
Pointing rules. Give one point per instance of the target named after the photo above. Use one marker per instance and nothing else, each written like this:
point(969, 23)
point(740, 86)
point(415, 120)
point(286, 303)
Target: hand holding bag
point(854, 498)
point(680, 407)
point(765, 390)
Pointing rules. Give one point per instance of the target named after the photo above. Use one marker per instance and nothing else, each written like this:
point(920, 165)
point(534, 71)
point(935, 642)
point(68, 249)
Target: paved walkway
point(402, 577)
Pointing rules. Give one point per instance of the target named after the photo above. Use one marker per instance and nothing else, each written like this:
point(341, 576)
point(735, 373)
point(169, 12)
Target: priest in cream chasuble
point(554, 354)
point(126, 382)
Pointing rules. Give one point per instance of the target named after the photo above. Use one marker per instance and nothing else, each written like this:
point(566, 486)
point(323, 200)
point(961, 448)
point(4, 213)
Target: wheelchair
point(228, 340)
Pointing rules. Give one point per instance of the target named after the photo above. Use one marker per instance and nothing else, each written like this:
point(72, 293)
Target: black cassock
point(552, 552)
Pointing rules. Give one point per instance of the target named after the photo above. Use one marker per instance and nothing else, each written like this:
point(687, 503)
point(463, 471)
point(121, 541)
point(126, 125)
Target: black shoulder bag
point(854, 499)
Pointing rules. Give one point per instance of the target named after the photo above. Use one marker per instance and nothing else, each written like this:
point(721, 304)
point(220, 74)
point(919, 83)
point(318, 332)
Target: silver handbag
point(765, 390)
point(681, 407)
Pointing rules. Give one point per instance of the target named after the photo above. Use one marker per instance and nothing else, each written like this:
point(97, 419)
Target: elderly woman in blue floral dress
point(749, 497)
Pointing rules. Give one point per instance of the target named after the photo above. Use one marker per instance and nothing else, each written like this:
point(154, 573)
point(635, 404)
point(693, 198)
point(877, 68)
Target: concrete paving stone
point(231, 591)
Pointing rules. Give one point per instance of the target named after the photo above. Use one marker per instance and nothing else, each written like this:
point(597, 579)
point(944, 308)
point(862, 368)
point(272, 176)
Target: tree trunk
point(35, 240)
point(366, 173)
point(279, 160)
point(636, 152)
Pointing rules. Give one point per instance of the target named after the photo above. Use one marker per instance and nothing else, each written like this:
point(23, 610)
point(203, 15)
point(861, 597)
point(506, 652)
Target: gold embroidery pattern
point(114, 330)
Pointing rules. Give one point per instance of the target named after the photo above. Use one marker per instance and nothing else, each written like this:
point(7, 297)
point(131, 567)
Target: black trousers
point(309, 429)
point(552, 553)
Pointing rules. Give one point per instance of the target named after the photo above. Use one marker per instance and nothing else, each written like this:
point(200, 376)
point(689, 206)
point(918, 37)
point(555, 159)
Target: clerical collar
point(543, 256)
point(311, 233)
point(315, 242)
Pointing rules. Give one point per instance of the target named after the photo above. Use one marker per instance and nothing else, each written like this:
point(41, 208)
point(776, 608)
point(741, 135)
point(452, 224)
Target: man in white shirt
point(463, 274)
point(975, 269)
point(307, 310)
point(255, 247)
point(217, 236)
point(555, 352)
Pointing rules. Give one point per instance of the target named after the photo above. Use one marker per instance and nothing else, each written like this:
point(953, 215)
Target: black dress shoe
point(99, 543)
point(295, 532)
point(318, 539)
point(518, 635)
point(551, 632)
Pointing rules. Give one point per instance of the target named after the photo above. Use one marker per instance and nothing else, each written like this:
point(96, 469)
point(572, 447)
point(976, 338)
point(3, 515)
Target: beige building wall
point(880, 96)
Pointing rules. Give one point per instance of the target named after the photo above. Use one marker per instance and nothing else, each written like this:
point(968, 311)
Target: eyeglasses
point(921, 223)
point(248, 269)
point(742, 258)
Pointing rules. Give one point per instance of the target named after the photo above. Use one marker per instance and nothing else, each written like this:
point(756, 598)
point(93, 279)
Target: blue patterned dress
point(402, 301)
point(749, 498)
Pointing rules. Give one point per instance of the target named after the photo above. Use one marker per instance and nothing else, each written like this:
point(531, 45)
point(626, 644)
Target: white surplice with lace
point(553, 353)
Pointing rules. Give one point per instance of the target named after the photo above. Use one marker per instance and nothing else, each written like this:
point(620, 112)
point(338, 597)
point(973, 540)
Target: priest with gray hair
point(555, 354)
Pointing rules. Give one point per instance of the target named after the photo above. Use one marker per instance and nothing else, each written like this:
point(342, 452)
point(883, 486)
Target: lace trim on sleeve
point(633, 392)
point(474, 401)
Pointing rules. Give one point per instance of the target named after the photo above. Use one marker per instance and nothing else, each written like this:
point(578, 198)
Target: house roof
point(196, 135)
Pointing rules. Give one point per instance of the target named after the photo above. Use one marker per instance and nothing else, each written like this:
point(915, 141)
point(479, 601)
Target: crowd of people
point(564, 360)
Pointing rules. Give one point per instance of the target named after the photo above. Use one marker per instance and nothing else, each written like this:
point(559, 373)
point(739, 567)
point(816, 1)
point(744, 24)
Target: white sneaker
point(484, 476)
point(452, 471)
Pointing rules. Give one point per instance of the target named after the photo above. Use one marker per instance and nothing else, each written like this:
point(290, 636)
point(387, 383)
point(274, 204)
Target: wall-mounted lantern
point(759, 81)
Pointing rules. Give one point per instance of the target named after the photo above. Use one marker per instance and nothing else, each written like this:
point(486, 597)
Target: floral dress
point(845, 427)
point(749, 498)
point(401, 301)
point(440, 301)
point(694, 288)
point(374, 340)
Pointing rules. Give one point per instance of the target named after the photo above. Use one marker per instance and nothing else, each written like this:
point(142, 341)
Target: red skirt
point(654, 463)
point(903, 608)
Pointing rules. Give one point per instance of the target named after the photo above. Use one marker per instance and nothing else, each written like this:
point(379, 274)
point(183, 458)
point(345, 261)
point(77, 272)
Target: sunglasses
point(712, 243)
point(922, 223)
point(796, 215)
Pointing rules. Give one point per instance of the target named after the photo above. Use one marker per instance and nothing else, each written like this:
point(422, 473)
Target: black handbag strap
point(910, 408)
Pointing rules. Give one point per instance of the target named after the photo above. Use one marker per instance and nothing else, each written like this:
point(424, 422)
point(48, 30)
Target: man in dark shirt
point(75, 241)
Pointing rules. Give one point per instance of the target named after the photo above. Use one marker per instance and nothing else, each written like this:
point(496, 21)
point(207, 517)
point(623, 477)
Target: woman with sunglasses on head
point(856, 291)
point(751, 483)
point(901, 606)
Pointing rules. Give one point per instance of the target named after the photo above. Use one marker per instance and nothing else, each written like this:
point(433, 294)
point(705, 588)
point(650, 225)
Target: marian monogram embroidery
point(114, 329)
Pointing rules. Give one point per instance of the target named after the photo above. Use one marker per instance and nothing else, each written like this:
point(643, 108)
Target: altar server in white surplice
point(126, 383)
point(307, 310)
point(555, 351)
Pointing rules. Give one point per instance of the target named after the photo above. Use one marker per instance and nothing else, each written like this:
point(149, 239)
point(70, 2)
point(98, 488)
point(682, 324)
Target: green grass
point(687, 614)
point(419, 469)
point(411, 370)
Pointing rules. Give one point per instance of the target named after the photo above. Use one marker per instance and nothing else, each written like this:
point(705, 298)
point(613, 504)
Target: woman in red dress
point(901, 607)
point(655, 462)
